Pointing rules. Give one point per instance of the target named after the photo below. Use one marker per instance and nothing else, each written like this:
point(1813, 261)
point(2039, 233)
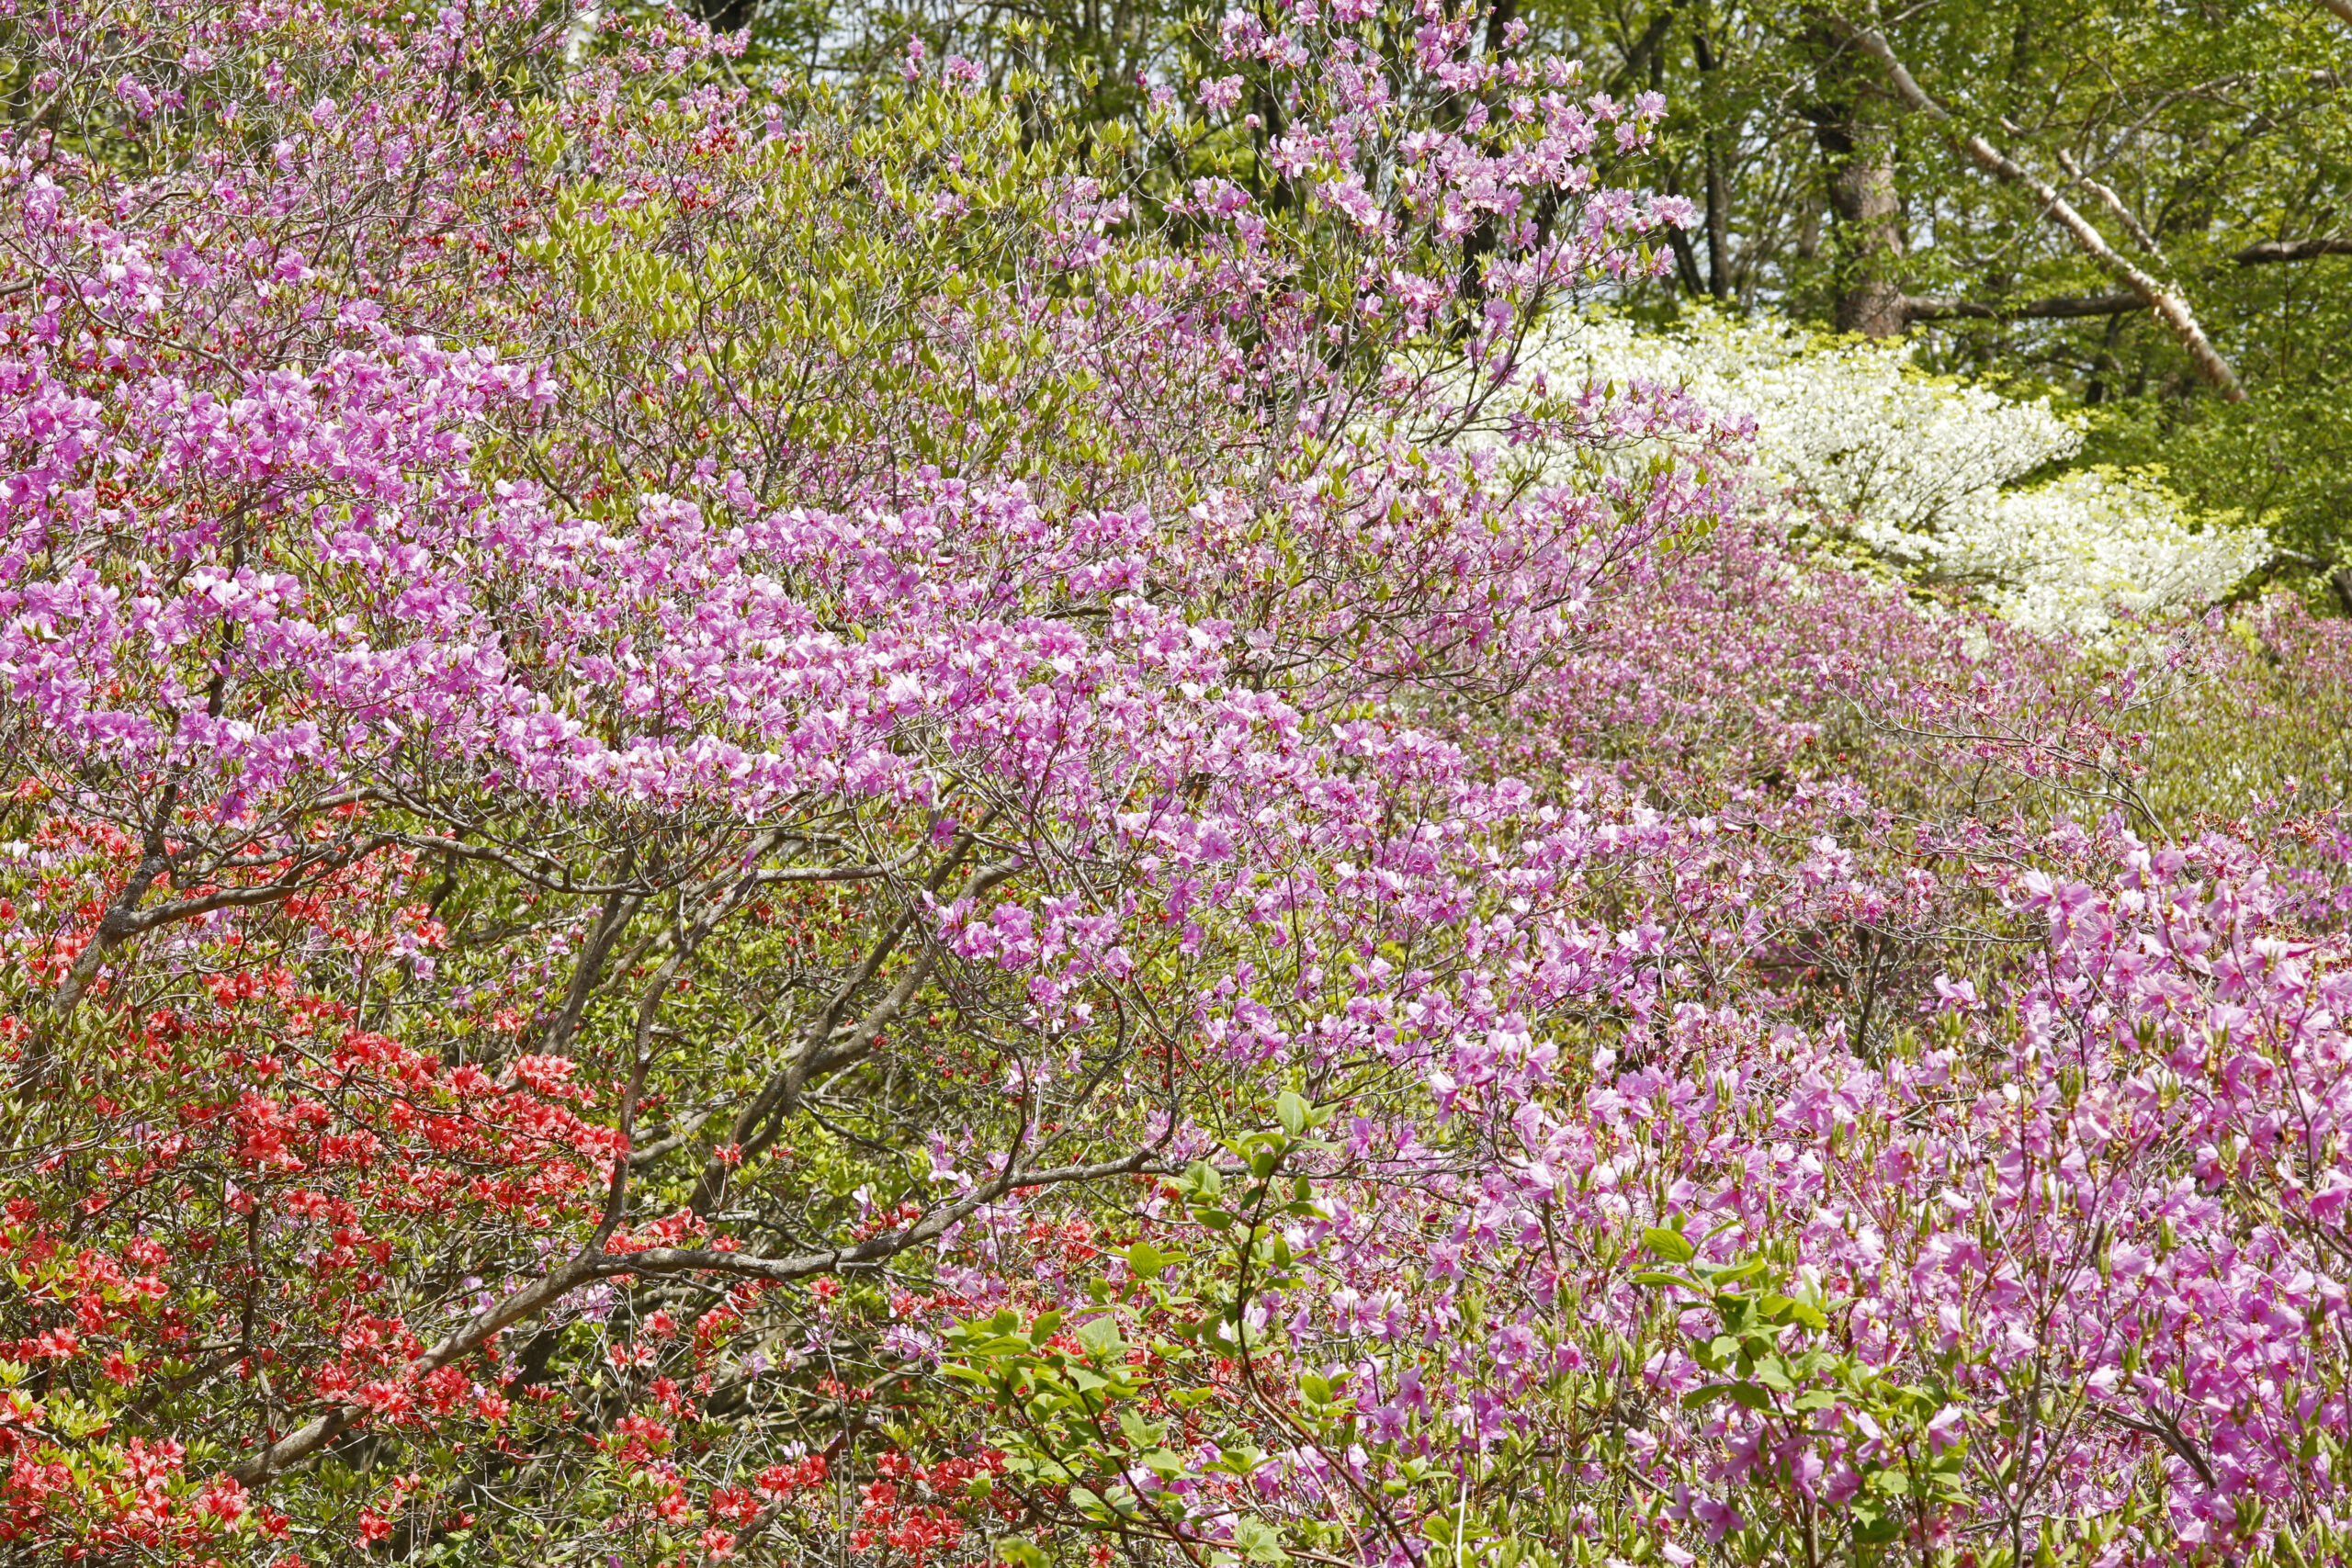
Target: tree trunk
point(2169, 305)
point(1855, 129)
point(1718, 190)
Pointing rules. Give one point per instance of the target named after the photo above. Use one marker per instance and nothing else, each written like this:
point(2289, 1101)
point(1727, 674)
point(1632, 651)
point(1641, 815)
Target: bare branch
point(2112, 202)
point(2167, 1430)
point(323, 1430)
point(315, 1434)
point(828, 1044)
point(2169, 306)
point(1637, 58)
point(2063, 307)
point(1943, 308)
point(2295, 250)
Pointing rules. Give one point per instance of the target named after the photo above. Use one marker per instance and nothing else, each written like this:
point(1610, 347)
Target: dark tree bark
point(1854, 127)
point(2294, 250)
point(1499, 22)
point(724, 15)
point(1718, 187)
point(2061, 306)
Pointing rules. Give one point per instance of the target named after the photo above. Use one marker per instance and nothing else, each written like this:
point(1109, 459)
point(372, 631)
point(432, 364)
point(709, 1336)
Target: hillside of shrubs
point(781, 817)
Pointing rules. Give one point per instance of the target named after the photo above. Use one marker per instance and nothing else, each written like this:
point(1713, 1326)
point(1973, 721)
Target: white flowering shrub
point(1921, 472)
point(2062, 555)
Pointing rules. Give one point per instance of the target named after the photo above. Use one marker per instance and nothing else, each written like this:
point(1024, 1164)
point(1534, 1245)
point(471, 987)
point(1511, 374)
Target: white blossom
point(1922, 472)
point(2061, 555)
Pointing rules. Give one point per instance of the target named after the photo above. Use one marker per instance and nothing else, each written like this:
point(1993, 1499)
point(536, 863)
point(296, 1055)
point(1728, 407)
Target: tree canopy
point(2137, 207)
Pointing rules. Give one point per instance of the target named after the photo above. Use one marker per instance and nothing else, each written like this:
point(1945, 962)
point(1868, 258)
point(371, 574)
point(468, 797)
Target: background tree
point(2138, 206)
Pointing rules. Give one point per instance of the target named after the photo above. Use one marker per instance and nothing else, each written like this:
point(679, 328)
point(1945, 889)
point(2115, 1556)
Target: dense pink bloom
point(625, 826)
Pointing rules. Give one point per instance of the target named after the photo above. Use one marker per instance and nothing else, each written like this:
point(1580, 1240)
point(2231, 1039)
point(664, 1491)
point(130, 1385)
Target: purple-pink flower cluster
point(767, 742)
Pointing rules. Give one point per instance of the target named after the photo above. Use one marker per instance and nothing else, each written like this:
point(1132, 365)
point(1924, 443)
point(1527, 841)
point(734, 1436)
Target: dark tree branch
point(2061, 306)
point(258, 1469)
point(2168, 304)
point(1938, 308)
point(1638, 59)
point(2336, 574)
point(2294, 250)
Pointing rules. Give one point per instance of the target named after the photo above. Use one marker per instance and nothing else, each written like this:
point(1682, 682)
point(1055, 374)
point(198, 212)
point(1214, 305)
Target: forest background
point(2203, 145)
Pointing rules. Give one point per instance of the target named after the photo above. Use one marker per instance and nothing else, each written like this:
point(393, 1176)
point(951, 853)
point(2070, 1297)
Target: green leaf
point(1258, 1542)
point(1874, 1528)
point(1672, 1245)
point(1291, 1111)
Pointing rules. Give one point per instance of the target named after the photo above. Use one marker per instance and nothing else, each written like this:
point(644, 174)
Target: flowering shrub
point(1925, 474)
point(743, 828)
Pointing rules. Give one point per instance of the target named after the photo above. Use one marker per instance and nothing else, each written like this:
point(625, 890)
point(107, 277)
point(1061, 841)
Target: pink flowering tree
point(742, 827)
